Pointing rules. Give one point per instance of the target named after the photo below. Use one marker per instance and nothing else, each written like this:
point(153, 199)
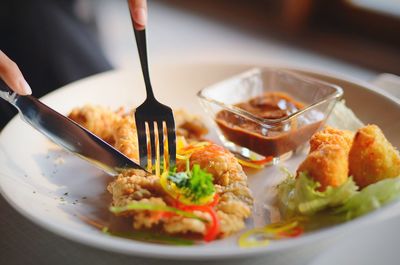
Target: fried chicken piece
point(130, 186)
point(190, 126)
point(218, 161)
point(99, 120)
point(125, 133)
point(327, 161)
point(328, 165)
point(333, 136)
point(125, 137)
point(234, 205)
point(372, 157)
point(235, 201)
point(134, 185)
point(119, 128)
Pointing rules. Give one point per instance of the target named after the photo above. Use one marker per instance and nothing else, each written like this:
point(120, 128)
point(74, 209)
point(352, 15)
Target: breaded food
point(372, 157)
point(236, 200)
point(328, 165)
point(330, 136)
point(190, 126)
point(327, 161)
point(134, 185)
point(218, 161)
point(97, 119)
point(118, 128)
point(125, 137)
point(230, 182)
point(234, 205)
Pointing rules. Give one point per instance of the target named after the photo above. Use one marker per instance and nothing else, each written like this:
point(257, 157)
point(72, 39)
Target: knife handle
point(7, 94)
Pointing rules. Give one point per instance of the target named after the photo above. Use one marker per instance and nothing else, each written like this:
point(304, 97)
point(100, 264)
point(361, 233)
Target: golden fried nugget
point(372, 157)
point(331, 135)
point(327, 161)
point(99, 120)
point(328, 165)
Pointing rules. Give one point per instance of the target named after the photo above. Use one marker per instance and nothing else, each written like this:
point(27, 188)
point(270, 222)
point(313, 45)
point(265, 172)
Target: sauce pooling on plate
point(268, 139)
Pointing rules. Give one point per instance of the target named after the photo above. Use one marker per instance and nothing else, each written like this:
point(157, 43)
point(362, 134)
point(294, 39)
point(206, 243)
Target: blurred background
point(364, 32)
point(56, 42)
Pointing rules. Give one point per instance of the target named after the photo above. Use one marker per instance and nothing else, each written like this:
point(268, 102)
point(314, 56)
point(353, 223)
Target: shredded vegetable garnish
point(182, 157)
point(197, 186)
point(191, 191)
point(259, 237)
point(257, 164)
point(194, 186)
point(213, 226)
point(154, 207)
point(180, 142)
point(192, 147)
point(249, 164)
point(185, 151)
point(254, 238)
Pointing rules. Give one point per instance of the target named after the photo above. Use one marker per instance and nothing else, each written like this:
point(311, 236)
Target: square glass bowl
point(277, 136)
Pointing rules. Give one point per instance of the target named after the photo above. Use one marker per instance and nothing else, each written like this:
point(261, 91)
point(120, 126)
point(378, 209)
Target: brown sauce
point(278, 140)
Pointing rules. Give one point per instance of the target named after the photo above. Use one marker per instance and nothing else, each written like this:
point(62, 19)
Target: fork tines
point(153, 116)
point(155, 136)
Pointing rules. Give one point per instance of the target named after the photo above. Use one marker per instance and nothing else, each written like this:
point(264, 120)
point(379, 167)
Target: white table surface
point(176, 36)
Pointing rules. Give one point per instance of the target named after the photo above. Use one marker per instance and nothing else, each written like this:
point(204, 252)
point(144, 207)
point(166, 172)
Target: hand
point(12, 76)
point(138, 10)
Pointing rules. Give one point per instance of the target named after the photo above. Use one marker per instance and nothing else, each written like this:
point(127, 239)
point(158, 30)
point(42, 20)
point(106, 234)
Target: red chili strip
point(213, 227)
point(295, 232)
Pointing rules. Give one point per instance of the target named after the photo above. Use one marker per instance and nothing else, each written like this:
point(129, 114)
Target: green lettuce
point(370, 198)
point(194, 183)
point(300, 197)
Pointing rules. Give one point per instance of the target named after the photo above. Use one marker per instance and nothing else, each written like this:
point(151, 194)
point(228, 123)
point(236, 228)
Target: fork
point(153, 119)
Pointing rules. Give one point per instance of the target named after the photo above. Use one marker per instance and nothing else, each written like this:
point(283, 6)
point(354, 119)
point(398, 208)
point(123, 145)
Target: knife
point(67, 133)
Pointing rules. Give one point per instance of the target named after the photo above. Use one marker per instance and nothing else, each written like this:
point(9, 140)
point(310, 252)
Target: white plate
point(35, 174)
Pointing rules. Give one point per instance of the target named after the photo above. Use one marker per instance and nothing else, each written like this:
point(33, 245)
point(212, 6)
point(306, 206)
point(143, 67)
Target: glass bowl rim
point(338, 94)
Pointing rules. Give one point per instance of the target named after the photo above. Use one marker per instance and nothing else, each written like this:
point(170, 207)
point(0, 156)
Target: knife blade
point(67, 133)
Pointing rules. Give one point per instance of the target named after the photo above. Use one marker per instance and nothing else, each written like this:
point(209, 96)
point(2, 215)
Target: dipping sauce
point(272, 139)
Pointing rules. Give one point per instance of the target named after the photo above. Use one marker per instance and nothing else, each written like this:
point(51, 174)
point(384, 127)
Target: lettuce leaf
point(370, 198)
point(301, 196)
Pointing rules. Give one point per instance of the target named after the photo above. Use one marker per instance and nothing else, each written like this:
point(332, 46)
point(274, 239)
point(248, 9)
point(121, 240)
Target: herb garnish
point(194, 183)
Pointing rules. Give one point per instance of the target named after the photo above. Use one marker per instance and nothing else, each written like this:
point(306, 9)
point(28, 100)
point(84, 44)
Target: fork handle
point(140, 36)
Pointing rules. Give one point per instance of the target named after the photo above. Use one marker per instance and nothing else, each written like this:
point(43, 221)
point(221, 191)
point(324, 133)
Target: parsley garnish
point(194, 184)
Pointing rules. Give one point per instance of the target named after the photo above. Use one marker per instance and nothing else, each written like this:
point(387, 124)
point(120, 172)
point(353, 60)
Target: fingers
point(138, 10)
point(13, 77)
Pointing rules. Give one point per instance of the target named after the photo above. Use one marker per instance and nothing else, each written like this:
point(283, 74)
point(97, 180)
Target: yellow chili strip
point(249, 164)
